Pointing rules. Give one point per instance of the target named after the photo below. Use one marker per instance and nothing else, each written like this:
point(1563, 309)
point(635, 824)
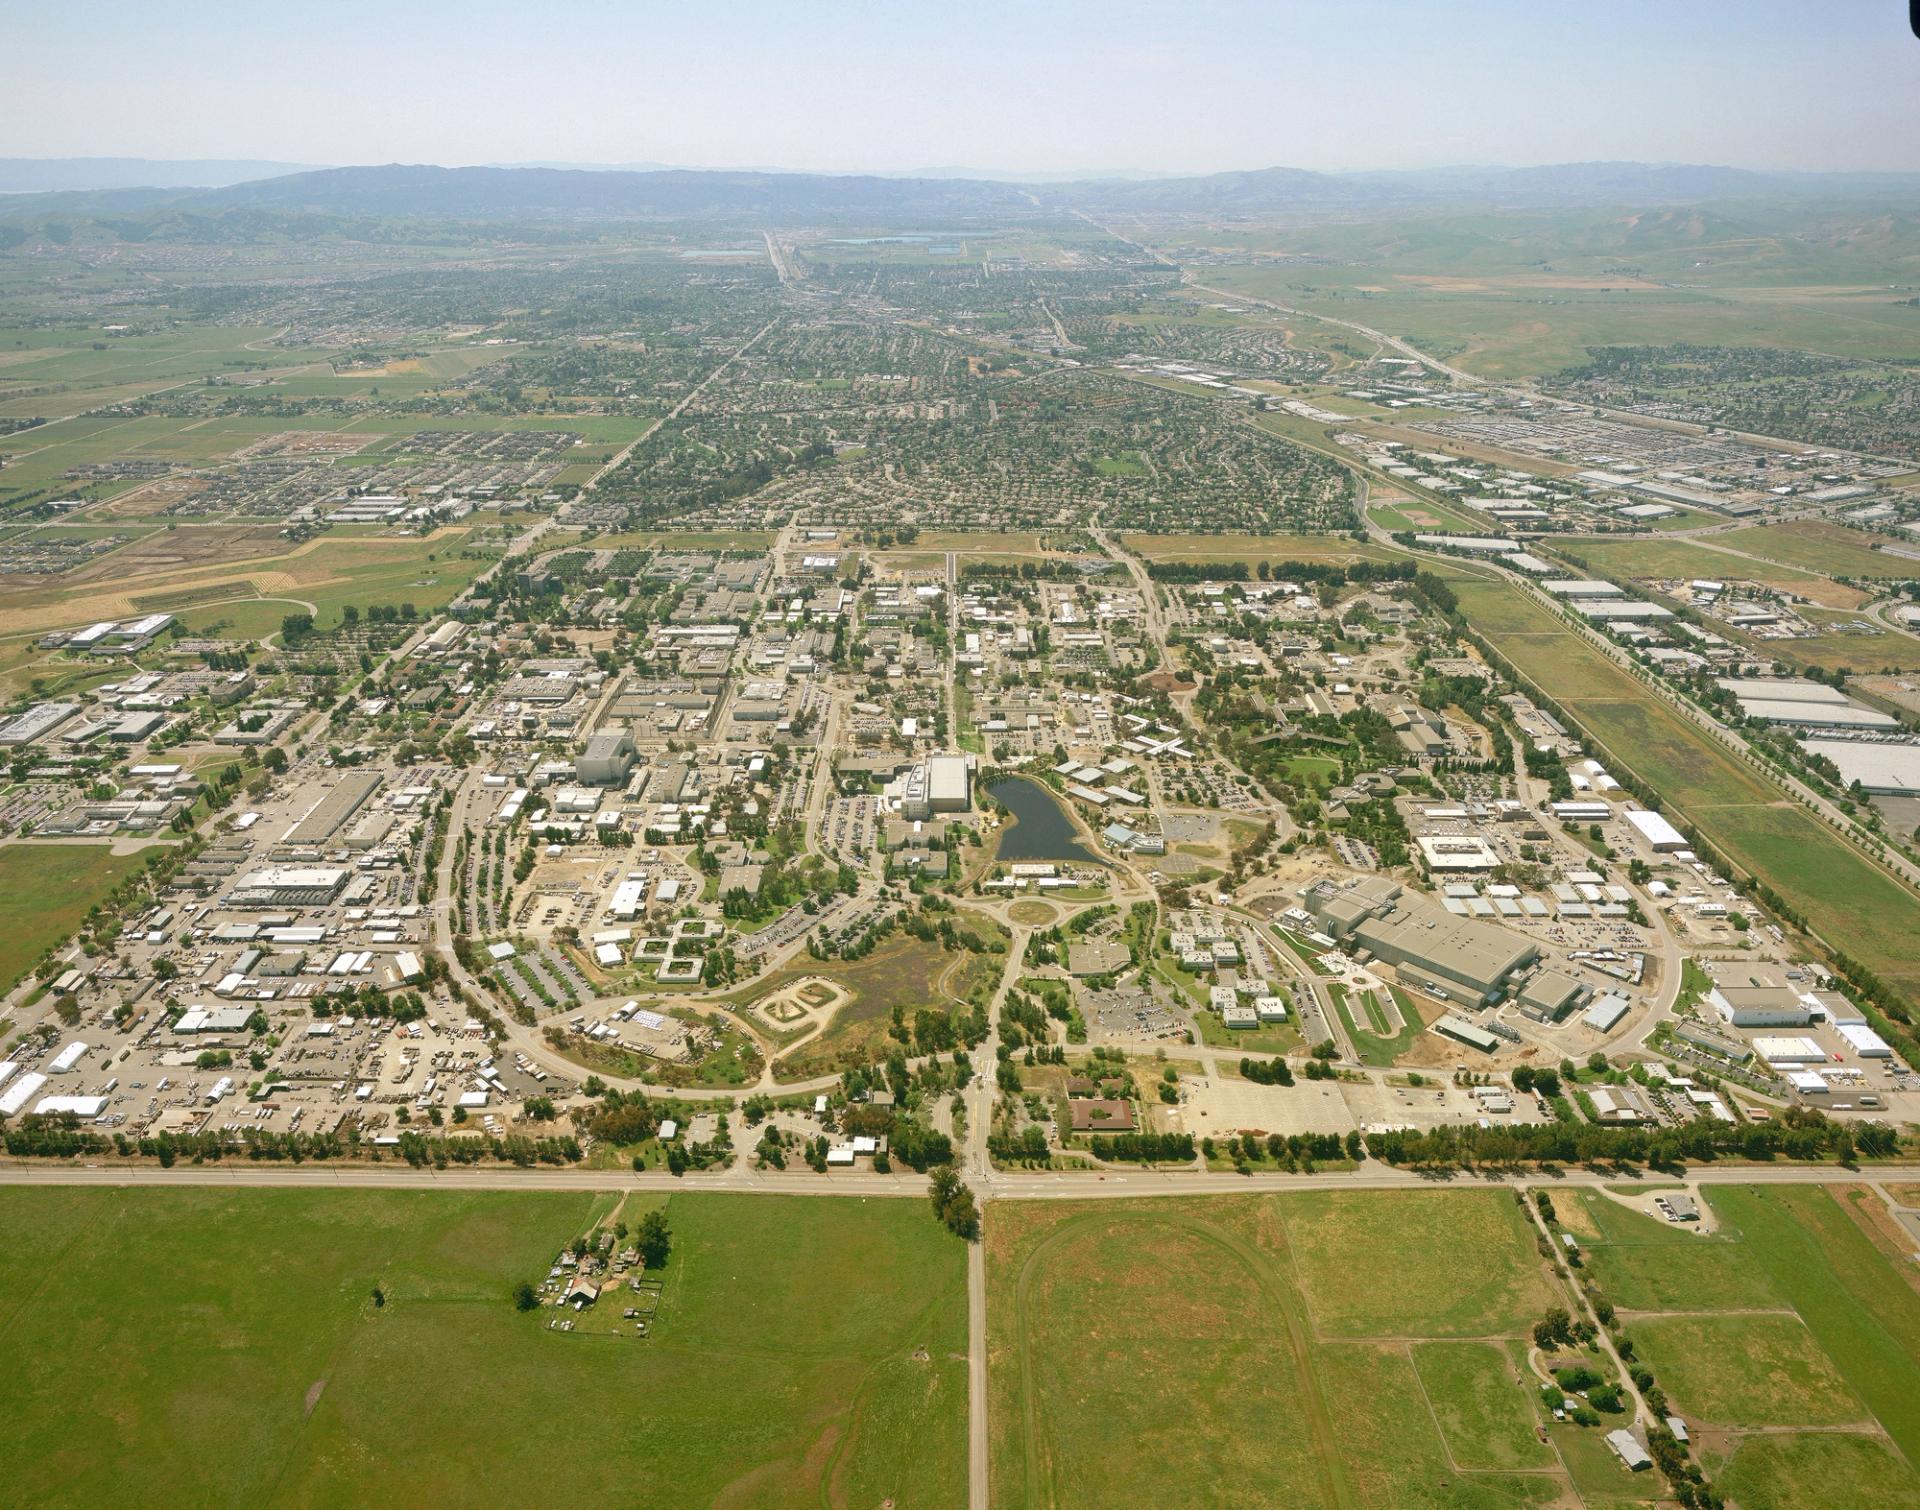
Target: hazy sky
point(1199, 85)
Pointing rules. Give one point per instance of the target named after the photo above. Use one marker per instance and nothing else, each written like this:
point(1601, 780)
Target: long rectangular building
point(340, 802)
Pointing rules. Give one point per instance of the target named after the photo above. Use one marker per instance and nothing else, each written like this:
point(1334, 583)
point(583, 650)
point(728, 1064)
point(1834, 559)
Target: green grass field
point(223, 1348)
point(1260, 1350)
point(1251, 549)
point(1828, 549)
point(1746, 1370)
point(1794, 1313)
point(1838, 1469)
point(1471, 1386)
point(45, 891)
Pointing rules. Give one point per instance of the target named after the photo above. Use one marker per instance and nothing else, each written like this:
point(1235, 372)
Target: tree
point(524, 1297)
point(1555, 1329)
point(953, 1202)
point(653, 1240)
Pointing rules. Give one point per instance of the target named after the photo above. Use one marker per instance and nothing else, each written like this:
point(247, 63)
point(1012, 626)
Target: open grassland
point(1746, 1371)
point(1829, 549)
point(1846, 899)
point(1649, 1265)
point(903, 971)
point(1840, 1470)
point(1186, 1343)
point(1648, 560)
point(45, 890)
point(200, 567)
point(1492, 1282)
point(1338, 550)
point(1799, 1311)
point(201, 1347)
point(1470, 1385)
point(1513, 322)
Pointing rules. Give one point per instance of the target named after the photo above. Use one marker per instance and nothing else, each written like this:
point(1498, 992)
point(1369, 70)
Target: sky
point(1045, 86)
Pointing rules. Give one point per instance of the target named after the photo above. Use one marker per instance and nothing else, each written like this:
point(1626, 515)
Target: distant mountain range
point(52, 175)
point(522, 192)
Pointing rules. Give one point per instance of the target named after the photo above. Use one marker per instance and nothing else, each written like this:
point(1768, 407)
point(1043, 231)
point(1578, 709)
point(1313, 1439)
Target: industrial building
point(1453, 957)
point(288, 886)
point(1882, 769)
point(606, 760)
point(1660, 835)
point(345, 798)
point(1796, 703)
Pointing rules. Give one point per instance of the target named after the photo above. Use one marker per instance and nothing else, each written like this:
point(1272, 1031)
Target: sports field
point(1846, 899)
point(1799, 1314)
point(200, 1347)
point(1329, 1349)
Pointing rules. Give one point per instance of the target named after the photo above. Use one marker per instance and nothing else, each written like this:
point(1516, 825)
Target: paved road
point(1002, 1185)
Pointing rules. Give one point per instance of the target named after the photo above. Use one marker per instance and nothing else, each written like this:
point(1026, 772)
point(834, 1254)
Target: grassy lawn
point(45, 890)
point(1184, 1343)
point(249, 1364)
point(1365, 1019)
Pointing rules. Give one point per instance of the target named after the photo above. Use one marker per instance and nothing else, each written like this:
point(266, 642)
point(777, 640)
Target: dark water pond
point(1041, 829)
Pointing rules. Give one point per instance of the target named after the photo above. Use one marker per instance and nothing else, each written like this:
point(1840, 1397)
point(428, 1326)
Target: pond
point(1041, 829)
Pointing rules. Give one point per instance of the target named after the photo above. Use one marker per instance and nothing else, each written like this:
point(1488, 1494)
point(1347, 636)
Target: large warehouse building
point(1883, 770)
point(1453, 957)
point(289, 886)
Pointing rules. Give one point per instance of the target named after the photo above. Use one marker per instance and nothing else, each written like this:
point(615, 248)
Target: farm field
point(1842, 895)
point(1497, 323)
point(219, 564)
point(45, 891)
point(1337, 549)
point(1828, 549)
point(804, 1350)
point(1798, 1312)
point(1666, 560)
point(1251, 1312)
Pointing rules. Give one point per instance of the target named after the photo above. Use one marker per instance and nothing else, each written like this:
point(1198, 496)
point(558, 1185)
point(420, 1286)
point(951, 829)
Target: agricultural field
point(1799, 1314)
point(1252, 1313)
point(298, 1347)
point(45, 891)
point(1827, 549)
point(1337, 550)
point(201, 567)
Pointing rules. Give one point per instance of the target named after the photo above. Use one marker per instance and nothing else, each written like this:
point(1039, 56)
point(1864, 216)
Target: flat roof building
point(1458, 958)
